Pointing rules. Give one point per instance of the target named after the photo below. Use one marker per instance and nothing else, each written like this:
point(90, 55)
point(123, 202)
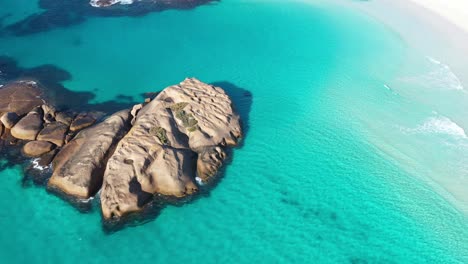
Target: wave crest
point(438, 125)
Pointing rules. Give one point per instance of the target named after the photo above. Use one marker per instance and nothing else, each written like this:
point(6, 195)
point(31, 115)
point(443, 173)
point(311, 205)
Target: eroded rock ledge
point(167, 146)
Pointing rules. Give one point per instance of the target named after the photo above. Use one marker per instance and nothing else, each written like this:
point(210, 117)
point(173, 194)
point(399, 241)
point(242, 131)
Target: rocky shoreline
point(168, 146)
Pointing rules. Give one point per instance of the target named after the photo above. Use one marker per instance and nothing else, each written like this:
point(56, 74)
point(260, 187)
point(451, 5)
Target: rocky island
point(167, 146)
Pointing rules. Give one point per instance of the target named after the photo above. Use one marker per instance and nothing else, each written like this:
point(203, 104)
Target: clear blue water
point(320, 177)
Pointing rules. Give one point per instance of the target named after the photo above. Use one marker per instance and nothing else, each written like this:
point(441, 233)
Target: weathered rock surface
point(82, 121)
point(209, 162)
point(64, 118)
point(79, 166)
point(29, 126)
point(20, 97)
point(158, 155)
point(54, 132)
point(37, 148)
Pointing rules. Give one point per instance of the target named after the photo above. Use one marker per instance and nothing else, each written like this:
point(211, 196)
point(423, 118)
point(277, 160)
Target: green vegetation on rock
point(188, 121)
point(161, 134)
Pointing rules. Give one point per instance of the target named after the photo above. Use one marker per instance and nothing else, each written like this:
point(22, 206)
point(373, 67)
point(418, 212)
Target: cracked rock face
point(165, 147)
point(79, 166)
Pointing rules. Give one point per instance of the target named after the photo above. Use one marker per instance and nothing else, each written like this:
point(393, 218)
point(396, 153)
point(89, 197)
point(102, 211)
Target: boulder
point(9, 119)
point(54, 132)
point(28, 127)
point(79, 166)
point(20, 97)
point(37, 148)
point(82, 121)
point(64, 118)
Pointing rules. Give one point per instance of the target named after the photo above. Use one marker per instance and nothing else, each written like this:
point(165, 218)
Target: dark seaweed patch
point(51, 77)
point(61, 14)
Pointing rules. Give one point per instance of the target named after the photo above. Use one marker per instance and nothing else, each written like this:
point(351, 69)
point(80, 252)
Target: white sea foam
point(438, 125)
point(96, 3)
point(37, 166)
point(199, 181)
point(442, 76)
point(86, 200)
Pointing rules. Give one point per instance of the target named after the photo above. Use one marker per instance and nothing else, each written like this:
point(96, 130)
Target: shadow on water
point(61, 14)
point(51, 77)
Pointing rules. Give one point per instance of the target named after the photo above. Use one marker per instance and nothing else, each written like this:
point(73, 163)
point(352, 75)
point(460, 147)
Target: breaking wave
point(442, 76)
point(438, 125)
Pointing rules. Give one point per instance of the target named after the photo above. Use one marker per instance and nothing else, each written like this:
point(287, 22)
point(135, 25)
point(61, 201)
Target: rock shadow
point(242, 100)
point(61, 14)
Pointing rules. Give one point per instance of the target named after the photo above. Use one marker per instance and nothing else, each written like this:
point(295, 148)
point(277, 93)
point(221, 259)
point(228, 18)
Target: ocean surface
point(354, 151)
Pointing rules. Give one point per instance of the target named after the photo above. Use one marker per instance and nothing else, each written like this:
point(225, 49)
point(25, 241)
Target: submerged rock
point(20, 97)
point(79, 166)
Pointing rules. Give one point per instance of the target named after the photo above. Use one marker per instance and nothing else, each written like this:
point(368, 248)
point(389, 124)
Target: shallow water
point(321, 176)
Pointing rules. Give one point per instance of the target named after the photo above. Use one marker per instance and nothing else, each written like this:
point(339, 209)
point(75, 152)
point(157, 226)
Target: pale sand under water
point(438, 29)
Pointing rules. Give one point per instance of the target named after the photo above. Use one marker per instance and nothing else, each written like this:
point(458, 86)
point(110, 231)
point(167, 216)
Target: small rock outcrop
point(29, 126)
point(166, 147)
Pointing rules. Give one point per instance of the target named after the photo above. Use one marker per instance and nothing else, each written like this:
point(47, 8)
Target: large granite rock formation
point(79, 166)
point(165, 147)
point(158, 155)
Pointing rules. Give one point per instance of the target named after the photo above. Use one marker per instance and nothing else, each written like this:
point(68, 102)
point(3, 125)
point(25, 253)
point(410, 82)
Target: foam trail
point(438, 125)
point(443, 76)
point(37, 166)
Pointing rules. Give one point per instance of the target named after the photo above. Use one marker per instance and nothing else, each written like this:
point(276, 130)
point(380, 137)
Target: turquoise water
point(319, 178)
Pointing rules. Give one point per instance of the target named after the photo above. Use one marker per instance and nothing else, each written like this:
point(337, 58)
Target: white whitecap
point(199, 181)
point(98, 3)
point(442, 76)
point(37, 166)
point(438, 125)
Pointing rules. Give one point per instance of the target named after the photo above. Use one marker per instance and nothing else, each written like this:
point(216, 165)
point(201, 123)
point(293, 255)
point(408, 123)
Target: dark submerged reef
point(51, 77)
point(59, 14)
